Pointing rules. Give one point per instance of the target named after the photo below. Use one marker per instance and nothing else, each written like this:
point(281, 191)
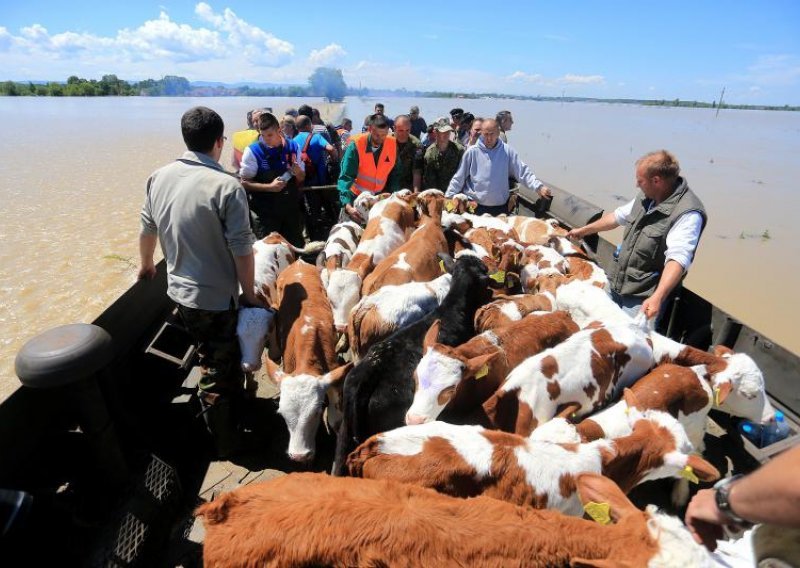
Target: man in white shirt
point(663, 225)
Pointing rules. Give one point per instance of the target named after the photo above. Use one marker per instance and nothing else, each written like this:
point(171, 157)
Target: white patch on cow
point(544, 464)
point(550, 259)
point(474, 448)
point(664, 348)
point(307, 325)
point(300, 405)
point(488, 222)
point(587, 303)
point(748, 397)
point(269, 261)
point(401, 263)
point(344, 291)
point(491, 337)
point(556, 431)
point(403, 304)
point(676, 545)
point(252, 327)
point(613, 420)
point(511, 311)
point(468, 252)
point(528, 276)
point(435, 372)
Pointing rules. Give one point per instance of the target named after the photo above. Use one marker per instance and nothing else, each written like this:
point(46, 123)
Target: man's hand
point(704, 520)
point(575, 234)
point(146, 272)
point(251, 300)
point(277, 185)
point(297, 172)
point(512, 202)
point(544, 191)
point(651, 306)
point(353, 213)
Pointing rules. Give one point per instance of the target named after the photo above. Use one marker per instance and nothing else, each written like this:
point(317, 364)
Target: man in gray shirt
point(199, 213)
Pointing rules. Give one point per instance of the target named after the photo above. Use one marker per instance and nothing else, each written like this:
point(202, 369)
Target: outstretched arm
point(604, 223)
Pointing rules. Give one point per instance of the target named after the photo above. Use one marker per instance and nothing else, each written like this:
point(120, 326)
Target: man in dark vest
point(663, 225)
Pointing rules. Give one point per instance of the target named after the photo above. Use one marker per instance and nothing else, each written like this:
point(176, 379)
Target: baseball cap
point(442, 125)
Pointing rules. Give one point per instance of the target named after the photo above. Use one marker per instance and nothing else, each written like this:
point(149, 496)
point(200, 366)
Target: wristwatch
point(722, 489)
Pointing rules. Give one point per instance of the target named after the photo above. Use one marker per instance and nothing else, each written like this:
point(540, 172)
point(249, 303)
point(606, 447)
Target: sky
point(608, 49)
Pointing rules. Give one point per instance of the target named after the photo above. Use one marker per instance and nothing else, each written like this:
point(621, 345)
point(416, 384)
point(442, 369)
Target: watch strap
point(722, 499)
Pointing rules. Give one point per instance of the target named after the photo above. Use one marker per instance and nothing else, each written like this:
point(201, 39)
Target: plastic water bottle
point(751, 431)
point(775, 431)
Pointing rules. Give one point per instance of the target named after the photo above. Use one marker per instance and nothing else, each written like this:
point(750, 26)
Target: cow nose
point(412, 419)
point(302, 457)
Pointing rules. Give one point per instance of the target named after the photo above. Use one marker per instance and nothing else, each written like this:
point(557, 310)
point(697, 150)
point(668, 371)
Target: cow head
point(430, 203)
point(665, 447)
point(301, 403)
point(739, 388)
point(438, 376)
point(344, 291)
point(252, 328)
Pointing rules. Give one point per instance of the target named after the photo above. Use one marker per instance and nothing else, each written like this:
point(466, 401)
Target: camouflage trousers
point(218, 350)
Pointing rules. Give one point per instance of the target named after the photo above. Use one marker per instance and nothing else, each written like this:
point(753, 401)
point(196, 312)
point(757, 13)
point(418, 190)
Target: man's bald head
point(490, 133)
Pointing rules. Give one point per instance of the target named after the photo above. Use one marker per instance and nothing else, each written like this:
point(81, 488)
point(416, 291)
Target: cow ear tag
point(482, 372)
point(449, 206)
point(499, 276)
point(688, 473)
point(441, 266)
point(599, 512)
point(471, 208)
point(716, 396)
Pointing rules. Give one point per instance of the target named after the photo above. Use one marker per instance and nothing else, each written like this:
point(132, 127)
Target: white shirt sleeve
point(623, 213)
point(249, 165)
point(682, 239)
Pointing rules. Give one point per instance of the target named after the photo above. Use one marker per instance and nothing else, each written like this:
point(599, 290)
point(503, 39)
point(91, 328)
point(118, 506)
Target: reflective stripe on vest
point(370, 177)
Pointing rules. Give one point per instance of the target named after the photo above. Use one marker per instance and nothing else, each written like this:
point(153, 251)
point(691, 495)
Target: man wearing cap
point(409, 154)
point(485, 169)
point(441, 158)
point(418, 124)
point(369, 164)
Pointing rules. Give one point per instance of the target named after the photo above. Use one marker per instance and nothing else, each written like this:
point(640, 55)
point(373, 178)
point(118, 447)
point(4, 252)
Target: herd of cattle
point(480, 357)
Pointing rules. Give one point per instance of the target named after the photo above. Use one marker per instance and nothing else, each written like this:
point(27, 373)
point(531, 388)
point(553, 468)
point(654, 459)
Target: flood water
point(73, 173)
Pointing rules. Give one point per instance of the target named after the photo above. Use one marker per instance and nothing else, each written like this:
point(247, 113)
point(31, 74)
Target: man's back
point(201, 215)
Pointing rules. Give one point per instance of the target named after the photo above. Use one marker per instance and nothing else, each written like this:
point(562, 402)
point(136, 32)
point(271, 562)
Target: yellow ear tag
point(449, 206)
point(600, 512)
point(688, 473)
point(499, 276)
point(441, 266)
point(482, 372)
point(716, 396)
point(472, 207)
point(627, 410)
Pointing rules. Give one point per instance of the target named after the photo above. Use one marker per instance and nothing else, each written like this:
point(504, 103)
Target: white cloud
point(568, 79)
point(161, 40)
point(326, 55)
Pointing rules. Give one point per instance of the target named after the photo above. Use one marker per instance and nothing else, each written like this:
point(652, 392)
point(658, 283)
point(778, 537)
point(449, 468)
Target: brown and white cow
point(508, 309)
point(417, 259)
point(310, 367)
point(339, 248)
point(533, 231)
point(462, 378)
point(272, 255)
point(306, 519)
point(573, 378)
point(384, 233)
point(380, 314)
point(464, 461)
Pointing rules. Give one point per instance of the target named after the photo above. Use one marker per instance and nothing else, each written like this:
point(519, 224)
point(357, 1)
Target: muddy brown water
point(73, 173)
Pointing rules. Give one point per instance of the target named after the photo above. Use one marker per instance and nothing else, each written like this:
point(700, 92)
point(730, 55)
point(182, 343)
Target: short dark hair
point(378, 121)
point(201, 128)
point(305, 110)
point(503, 114)
point(456, 112)
point(267, 120)
point(379, 105)
point(303, 122)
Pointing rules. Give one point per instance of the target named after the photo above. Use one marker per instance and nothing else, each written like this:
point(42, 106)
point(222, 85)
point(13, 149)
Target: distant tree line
point(323, 82)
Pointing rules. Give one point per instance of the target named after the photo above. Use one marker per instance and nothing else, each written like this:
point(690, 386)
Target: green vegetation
point(324, 82)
